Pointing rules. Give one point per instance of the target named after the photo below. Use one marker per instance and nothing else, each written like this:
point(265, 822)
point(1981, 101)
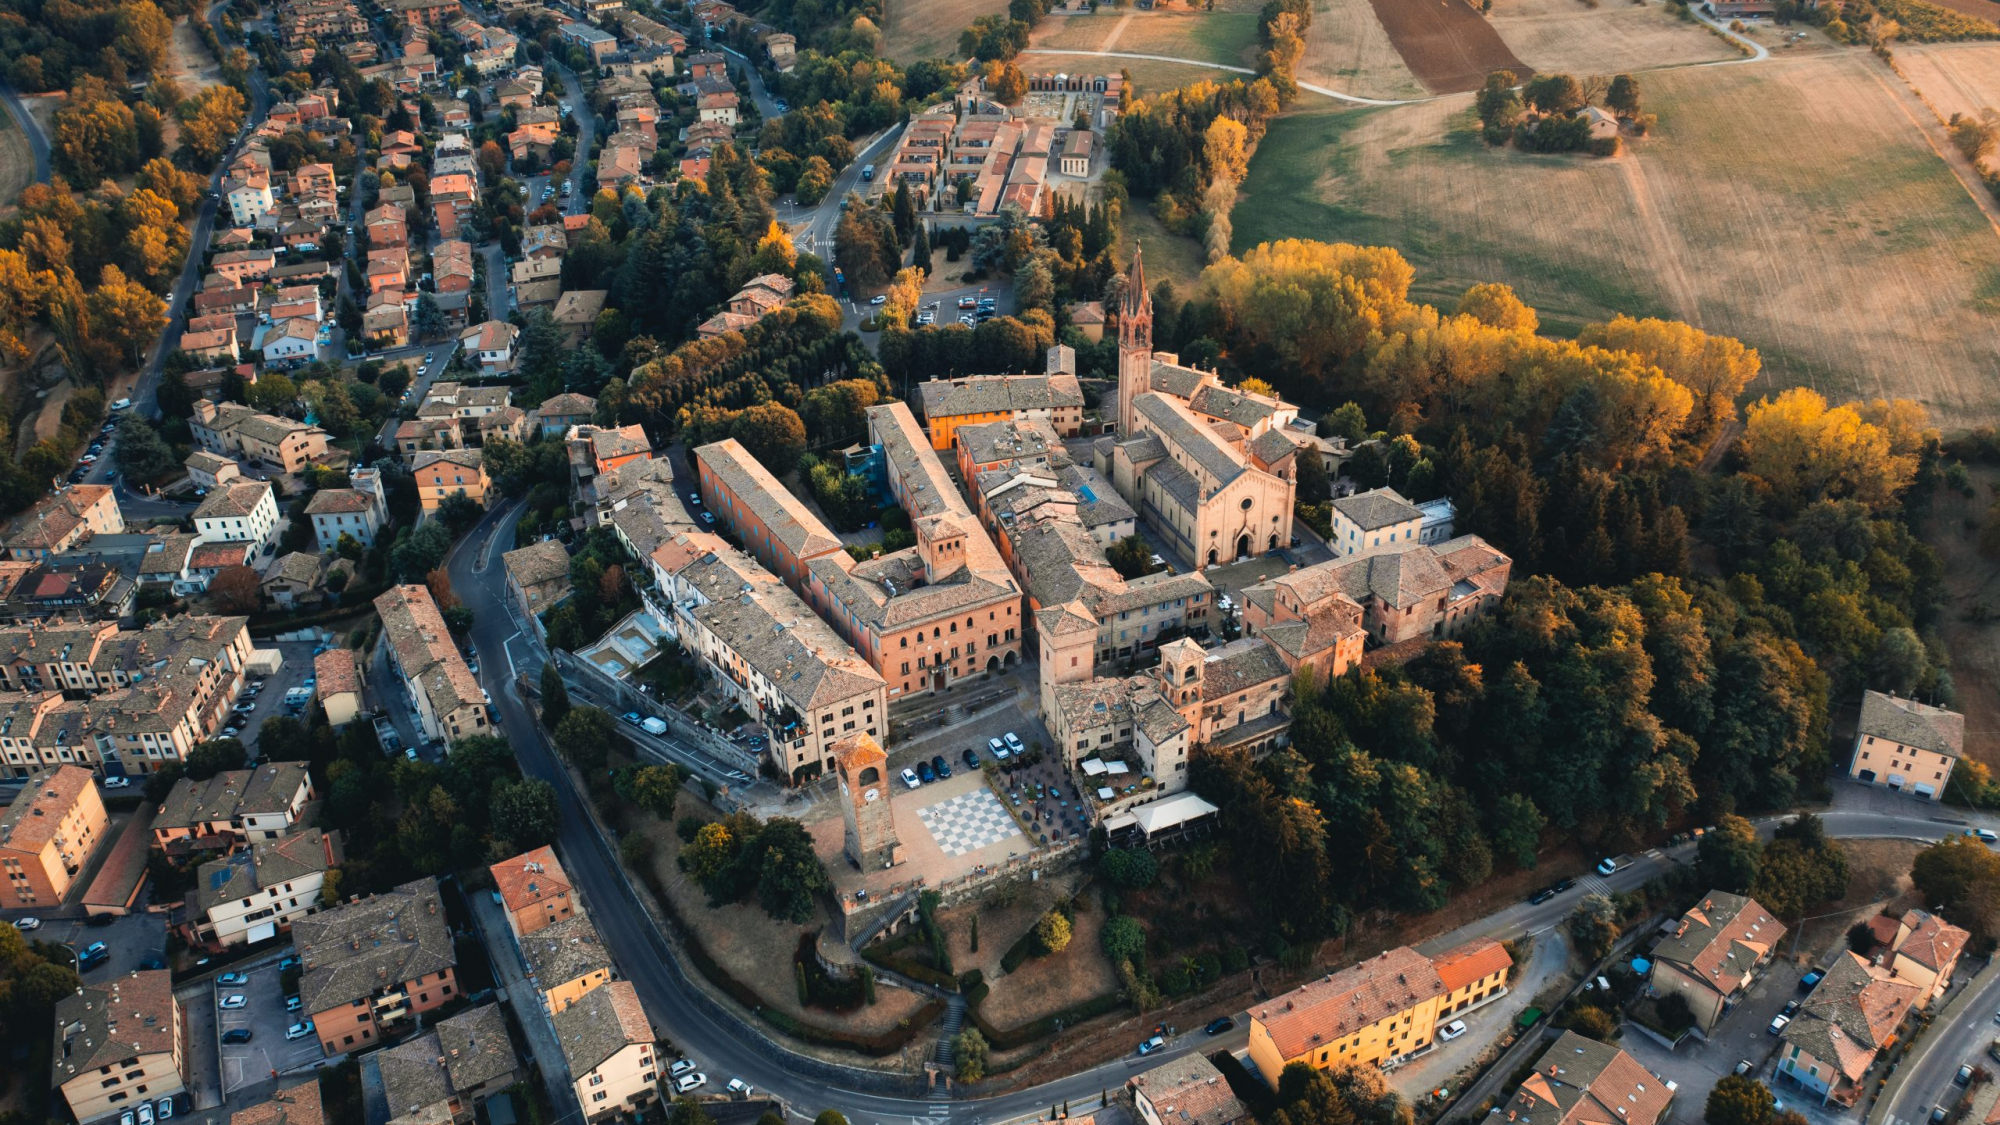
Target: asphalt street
point(1962, 1040)
point(38, 142)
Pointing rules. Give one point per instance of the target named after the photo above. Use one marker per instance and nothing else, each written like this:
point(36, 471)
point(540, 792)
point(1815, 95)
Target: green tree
point(773, 433)
point(216, 756)
point(525, 813)
point(1347, 421)
point(1729, 856)
point(141, 453)
point(1517, 828)
point(1739, 1100)
point(1128, 869)
point(789, 873)
point(583, 737)
point(1596, 1023)
point(1131, 557)
point(421, 551)
point(1594, 925)
point(1124, 940)
point(969, 1055)
point(555, 696)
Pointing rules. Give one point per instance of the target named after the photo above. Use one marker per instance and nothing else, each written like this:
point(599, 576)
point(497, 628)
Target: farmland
point(1347, 50)
point(1447, 44)
point(924, 29)
point(1955, 78)
point(1567, 36)
point(1771, 198)
point(1227, 35)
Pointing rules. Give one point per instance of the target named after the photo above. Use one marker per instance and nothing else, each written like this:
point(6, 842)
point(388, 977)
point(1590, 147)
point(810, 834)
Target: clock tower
point(863, 768)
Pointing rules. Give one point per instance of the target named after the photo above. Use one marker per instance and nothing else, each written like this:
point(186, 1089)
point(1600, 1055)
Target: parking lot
point(130, 942)
point(267, 1053)
point(1743, 1034)
point(294, 672)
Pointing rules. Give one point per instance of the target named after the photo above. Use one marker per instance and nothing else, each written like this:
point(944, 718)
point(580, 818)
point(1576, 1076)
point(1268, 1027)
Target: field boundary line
point(1320, 90)
point(1117, 32)
point(1901, 92)
point(1672, 265)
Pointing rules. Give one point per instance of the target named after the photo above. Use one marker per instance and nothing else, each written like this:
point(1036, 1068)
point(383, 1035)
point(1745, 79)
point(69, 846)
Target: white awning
point(1092, 767)
point(1116, 768)
point(260, 931)
point(1106, 793)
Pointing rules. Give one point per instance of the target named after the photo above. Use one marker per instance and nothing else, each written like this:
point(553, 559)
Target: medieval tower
point(871, 828)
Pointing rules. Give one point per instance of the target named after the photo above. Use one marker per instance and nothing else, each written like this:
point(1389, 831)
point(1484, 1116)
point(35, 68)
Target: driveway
point(296, 669)
point(1742, 1034)
point(268, 1054)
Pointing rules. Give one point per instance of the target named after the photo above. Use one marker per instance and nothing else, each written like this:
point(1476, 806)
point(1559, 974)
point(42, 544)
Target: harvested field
point(1768, 197)
point(1955, 78)
point(1978, 9)
point(1046, 985)
point(1447, 44)
point(1567, 36)
point(1168, 256)
point(1227, 35)
point(927, 29)
point(1148, 76)
point(1347, 50)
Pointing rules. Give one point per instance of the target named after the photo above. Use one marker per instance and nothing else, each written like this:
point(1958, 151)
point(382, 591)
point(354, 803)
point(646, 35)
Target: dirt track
point(1447, 44)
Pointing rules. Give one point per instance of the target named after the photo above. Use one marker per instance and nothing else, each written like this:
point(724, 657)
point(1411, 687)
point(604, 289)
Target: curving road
point(38, 142)
point(727, 1045)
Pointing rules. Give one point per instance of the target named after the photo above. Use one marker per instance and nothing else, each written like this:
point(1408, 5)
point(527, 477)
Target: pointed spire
point(1138, 301)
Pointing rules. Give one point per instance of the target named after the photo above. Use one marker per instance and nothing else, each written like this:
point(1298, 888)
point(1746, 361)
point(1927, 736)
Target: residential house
point(230, 429)
point(442, 1076)
point(338, 671)
point(537, 577)
point(609, 1044)
point(370, 965)
point(448, 701)
point(576, 314)
point(294, 579)
point(490, 345)
point(535, 891)
point(1579, 1081)
point(1714, 953)
point(249, 198)
point(1077, 149)
point(443, 473)
point(130, 1025)
point(243, 267)
point(1854, 1013)
point(252, 895)
point(48, 835)
point(298, 1105)
point(234, 809)
point(355, 512)
point(566, 961)
point(597, 44)
point(293, 341)
point(564, 412)
point(63, 521)
point(1906, 745)
point(240, 511)
point(1187, 1091)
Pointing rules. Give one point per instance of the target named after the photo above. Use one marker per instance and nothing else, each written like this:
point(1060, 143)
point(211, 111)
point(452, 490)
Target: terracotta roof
point(1932, 942)
point(100, 1025)
point(1190, 1091)
point(1340, 1003)
point(1580, 1081)
point(31, 821)
point(1470, 963)
point(1912, 724)
point(1720, 940)
point(336, 671)
point(297, 1106)
point(530, 878)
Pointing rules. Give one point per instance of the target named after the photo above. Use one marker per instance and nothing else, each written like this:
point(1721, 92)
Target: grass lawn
point(17, 161)
point(1769, 197)
point(1168, 255)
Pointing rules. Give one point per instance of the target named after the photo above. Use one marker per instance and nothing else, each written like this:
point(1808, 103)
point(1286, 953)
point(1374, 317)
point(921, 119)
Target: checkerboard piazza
point(968, 822)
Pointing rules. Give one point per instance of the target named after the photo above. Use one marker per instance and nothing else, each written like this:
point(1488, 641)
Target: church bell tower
point(1135, 342)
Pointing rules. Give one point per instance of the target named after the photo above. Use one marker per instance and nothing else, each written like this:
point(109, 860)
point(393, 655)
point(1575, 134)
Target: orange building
point(372, 964)
point(47, 836)
point(443, 473)
point(535, 891)
point(776, 529)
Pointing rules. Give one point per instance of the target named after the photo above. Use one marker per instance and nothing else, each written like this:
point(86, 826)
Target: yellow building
point(609, 1044)
point(119, 1045)
point(1382, 1009)
point(48, 834)
point(950, 403)
point(1906, 745)
point(566, 961)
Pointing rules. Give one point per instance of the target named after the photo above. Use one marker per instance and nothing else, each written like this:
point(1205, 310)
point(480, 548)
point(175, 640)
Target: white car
point(687, 1082)
point(117, 782)
point(1778, 1024)
point(997, 748)
point(1452, 1030)
point(233, 1001)
point(25, 924)
point(1014, 742)
point(681, 1067)
point(1607, 867)
point(878, 299)
point(910, 778)
point(740, 1089)
point(299, 1030)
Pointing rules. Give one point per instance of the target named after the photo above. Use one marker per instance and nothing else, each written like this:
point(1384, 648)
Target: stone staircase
point(948, 1028)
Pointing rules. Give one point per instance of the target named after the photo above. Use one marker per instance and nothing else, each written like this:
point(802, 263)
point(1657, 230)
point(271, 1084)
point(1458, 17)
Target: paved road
point(729, 1048)
point(145, 395)
point(816, 233)
point(1944, 1047)
point(767, 106)
point(38, 141)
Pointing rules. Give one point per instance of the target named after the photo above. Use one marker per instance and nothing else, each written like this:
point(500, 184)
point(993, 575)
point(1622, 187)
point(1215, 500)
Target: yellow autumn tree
point(1805, 450)
point(1714, 368)
point(125, 314)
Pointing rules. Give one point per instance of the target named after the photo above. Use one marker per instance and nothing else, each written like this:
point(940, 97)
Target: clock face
point(870, 795)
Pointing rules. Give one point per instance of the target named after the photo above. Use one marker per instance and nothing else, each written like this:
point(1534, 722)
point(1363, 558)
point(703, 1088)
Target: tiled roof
point(1932, 942)
point(530, 878)
point(339, 501)
point(1239, 666)
point(1851, 1014)
point(604, 1022)
point(1912, 723)
point(1177, 426)
point(1190, 1091)
point(537, 563)
point(460, 1055)
point(1580, 1081)
point(31, 820)
point(569, 405)
point(1720, 940)
point(776, 633)
point(267, 863)
point(788, 520)
point(1319, 1012)
point(1470, 963)
point(298, 1105)
point(100, 1025)
point(563, 951)
point(1377, 508)
point(352, 950)
point(231, 795)
point(988, 394)
point(233, 499)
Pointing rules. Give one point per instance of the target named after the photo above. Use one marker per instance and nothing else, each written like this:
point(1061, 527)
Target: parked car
point(28, 923)
point(152, 964)
point(165, 1108)
point(687, 1082)
point(1541, 896)
point(910, 778)
point(925, 771)
point(708, 518)
point(1964, 1076)
point(1743, 1067)
point(694, 498)
point(942, 767)
point(1938, 1115)
point(998, 748)
point(968, 302)
point(680, 1067)
point(971, 758)
point(1217, 1027)
point(299, 1030)
point(293, 1004)
point(1778, 1024)
point(878, 299)
point(740, 1089)
point(233, 1001)
point(1807, 982)
point(1791, 1008)
point(1014, 742)
point(1607, 866)
point(233, 978)
point(1156, 1043)
point(118, 783)
point(145, 1111)
point(1452, 1030)
point(236, 1035)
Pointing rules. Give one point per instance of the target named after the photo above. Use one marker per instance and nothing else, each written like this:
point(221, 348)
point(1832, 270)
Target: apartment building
point(444, 473)
point(260, 892)
point(1854, 1013)
point(784, 665)
point(537, 576)
point(773, 525)
point(238, 512)
point(608, 1042)
point(1579, 1081)
point(240, 433)
point(234, 808)
point(119, 1043)
point(47, 836)
point(448, 701)
point(975, 399)
point(1381, 1010)
point(566, 961)
point(147, 696)
point(62, 521)
point(1187, 1091)
point(535, 891)
point(371, 964)
point(352, 512)
point(442, 1076)
point(1391, 596)
point(1905, 745)
point(1714, 953)
point(557, 415)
